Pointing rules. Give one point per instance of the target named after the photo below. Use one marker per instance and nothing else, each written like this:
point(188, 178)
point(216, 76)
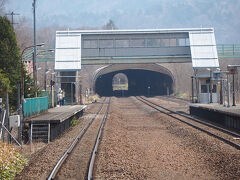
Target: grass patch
point(94, 98)
point(74, 121)
point(11, 161)
point(181, 95)
point(120, 87)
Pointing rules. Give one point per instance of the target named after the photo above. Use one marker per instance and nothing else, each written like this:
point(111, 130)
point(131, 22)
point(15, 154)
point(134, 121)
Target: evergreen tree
point(4, 84)
point(10, 59)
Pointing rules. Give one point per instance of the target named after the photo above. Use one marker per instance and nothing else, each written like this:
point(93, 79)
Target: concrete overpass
point(76, 48)
point(137, 52)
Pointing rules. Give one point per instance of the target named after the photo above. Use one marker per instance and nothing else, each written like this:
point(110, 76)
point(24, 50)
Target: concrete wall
point(181, 73)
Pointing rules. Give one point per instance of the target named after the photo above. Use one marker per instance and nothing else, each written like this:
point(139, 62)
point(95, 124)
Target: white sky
point(223, 15)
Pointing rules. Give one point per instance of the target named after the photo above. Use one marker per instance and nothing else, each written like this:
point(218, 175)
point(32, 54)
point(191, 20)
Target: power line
point(12, 14)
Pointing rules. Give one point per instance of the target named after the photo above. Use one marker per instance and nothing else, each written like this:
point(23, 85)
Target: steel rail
point(91, 164)
point(197, 120)
point(153, 105)
point(73, 144)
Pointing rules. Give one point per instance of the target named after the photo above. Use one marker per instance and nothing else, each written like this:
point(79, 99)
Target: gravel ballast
point(42, 162)
point(140, 143)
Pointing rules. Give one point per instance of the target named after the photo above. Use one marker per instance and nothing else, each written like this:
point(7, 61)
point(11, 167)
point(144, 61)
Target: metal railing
point(223, 50)
point(34, 106)
point(228, 50)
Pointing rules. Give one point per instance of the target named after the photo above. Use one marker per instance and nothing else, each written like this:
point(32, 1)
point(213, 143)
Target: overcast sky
point(223, 15)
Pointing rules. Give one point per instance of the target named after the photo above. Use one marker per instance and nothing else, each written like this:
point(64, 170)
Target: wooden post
point(49, 133)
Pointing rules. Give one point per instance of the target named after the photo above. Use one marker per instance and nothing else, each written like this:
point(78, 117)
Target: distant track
point(212, 130)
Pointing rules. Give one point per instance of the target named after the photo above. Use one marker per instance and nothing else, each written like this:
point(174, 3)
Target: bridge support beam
point(136, 60)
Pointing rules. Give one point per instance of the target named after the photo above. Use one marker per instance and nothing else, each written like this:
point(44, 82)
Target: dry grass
point(120, 86)
point(91, 98)
point(182, 95)
point(11, 161)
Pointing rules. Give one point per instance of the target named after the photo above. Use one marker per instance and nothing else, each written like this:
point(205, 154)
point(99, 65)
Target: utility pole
point(234, 103)
point(71, 93)
point(7, 117)
point(52, 89)
point(12, 18)
point(192, 90)
point(81, 101)
point(228, 91)
point(211, 96)
point(35, 48)
point(221, 91)
point(1, 119)
point(19, 108)
point(233, 70)
point(224, 93)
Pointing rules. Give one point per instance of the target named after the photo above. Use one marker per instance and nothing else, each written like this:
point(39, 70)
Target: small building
point(207, 87)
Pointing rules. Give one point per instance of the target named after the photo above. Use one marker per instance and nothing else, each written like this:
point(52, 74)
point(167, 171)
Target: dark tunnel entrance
point(120, 84)
point(140, 83)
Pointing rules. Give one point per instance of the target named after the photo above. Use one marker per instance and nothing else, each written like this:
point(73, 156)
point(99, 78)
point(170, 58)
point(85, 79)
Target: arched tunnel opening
point(119, 84)
point(140, 83)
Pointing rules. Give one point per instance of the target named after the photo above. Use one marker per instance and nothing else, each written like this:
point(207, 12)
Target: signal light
point(29, 89)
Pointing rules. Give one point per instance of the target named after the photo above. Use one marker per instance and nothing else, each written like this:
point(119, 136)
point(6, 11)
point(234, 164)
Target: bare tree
point(110, 25)
point(24, 33)
point(2, 4)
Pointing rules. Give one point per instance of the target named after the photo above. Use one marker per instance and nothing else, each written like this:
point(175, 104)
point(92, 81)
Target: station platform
point(49, 125)
point(57, 114)
point(228, 117)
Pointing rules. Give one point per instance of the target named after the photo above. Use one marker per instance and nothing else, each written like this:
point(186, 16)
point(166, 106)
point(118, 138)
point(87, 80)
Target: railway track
point(91, 164)
point(76, 141)
point(222, 134)
point(175, 99)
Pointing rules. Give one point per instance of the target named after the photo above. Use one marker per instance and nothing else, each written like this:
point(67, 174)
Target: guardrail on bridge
point(228, 50)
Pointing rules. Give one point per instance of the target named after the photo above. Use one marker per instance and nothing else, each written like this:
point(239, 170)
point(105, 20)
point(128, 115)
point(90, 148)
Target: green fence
point(33, 106)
